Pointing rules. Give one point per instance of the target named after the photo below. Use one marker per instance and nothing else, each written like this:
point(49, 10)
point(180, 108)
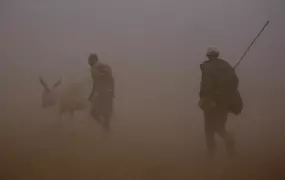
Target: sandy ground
point(40, 146)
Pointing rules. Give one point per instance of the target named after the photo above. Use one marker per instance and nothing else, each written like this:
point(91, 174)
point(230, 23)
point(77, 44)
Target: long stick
point(251, 45)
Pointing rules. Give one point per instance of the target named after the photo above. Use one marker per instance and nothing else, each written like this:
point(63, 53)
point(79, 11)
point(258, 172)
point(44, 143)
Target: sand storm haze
point(155, 48)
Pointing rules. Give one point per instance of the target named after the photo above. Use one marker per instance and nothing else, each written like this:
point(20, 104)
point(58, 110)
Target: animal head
point(49, 97)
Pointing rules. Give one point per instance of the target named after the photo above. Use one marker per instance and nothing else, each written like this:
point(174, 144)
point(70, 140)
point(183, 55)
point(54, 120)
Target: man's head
point(93, 59)
point(212, 53)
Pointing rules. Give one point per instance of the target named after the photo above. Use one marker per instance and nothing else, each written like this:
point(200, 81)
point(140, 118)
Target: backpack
point(225, 90)
point(236, 104)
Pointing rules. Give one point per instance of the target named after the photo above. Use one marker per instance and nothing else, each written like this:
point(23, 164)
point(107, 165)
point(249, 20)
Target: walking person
point(219, 96)
point(103, 91)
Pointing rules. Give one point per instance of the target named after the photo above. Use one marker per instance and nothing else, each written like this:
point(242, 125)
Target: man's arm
point(206, 85)
point(110, 73)
point(94, 84)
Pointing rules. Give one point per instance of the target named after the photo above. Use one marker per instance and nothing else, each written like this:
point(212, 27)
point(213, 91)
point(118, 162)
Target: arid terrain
point(155, 48)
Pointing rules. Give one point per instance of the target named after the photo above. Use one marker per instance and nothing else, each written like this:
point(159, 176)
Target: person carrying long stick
point(219, 96)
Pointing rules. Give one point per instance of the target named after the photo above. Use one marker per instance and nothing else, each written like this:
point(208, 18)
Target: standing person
point(219, 96)
point(102, 93)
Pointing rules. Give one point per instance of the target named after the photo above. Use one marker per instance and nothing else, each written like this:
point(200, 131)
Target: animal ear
point(44, 84)
point(57, 84)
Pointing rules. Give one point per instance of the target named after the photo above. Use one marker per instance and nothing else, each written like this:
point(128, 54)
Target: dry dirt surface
point(43, 147)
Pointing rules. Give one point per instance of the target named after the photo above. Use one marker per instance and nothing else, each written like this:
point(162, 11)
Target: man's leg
point(95, 113)
point(107, 110)
point(225, 135)
point(210, 134)
point(106, 122)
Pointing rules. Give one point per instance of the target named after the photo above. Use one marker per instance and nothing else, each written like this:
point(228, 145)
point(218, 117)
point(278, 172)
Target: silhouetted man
point(218, 96)
point(102, 93)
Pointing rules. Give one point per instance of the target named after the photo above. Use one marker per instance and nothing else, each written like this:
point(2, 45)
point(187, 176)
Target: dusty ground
point(39, 146)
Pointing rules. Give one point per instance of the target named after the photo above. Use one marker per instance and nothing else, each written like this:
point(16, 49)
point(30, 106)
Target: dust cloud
point(155, 48)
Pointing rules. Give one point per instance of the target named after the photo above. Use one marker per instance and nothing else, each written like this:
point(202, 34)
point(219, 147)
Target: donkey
point(66, 100)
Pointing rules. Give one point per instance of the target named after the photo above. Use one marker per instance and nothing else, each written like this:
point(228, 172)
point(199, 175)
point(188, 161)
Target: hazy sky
point(61, 31)
point(150, 36)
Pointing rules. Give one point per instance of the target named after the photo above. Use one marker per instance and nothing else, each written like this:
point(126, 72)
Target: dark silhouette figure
point(219, 96)
point(102, 94)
